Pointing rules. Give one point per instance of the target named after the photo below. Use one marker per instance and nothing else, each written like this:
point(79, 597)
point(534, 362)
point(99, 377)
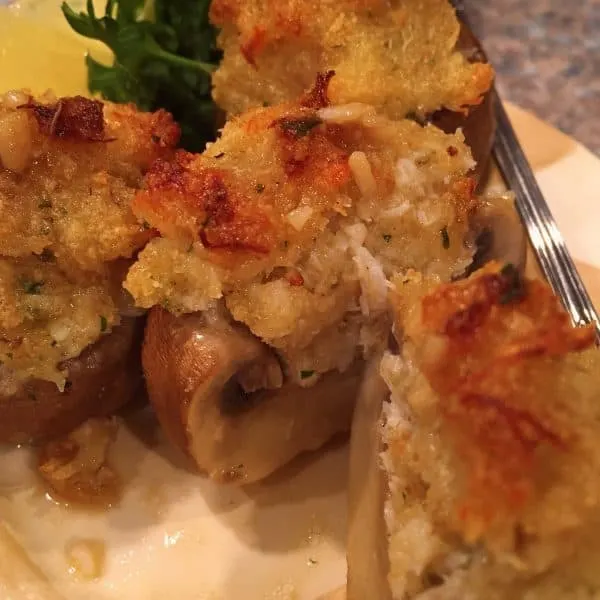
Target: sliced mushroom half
point(220, 397)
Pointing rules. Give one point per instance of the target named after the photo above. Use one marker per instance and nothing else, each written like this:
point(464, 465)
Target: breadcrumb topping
point(399, 56)
point(69, 170)
point(493, 448)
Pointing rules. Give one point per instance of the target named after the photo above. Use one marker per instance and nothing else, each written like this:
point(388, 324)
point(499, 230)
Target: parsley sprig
point(164, 53)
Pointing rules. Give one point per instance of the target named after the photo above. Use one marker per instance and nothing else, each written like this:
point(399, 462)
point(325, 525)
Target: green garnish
point(45, 203)
point(298, 127)
point(164, 53)
point(260, 188)
point(32, 287)
point(445, 238)
point(103, 323)
point(306, 374)
point(387, 238)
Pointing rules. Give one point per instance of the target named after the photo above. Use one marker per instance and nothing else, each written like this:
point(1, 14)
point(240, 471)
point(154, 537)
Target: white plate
point(176, 535)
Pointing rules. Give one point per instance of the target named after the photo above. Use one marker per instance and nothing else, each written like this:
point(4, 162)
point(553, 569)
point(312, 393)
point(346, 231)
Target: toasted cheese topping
point(493, 443)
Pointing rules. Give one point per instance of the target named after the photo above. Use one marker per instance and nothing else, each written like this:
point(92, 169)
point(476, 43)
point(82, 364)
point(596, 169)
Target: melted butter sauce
point(281, 540)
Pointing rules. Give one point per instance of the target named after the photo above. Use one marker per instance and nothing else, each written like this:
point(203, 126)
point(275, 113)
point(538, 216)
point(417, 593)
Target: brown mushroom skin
point(101, 380)
point(479, 124)
point(188, 363)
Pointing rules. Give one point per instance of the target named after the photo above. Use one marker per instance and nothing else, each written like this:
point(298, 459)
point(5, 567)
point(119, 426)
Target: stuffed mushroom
point(481, 466)
point(69, 340)
point(267, 282)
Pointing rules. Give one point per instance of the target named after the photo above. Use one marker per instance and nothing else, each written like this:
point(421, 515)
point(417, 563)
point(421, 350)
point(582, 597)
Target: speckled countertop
point(547, 57)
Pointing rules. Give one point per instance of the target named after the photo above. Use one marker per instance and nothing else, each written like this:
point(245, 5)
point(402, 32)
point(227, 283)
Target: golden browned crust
point(491, 348)
point(194, 198)
point(69, 168)
point(75, 118)
point(296, 215)
point(399, 56)
point(183, 199)
point(236, 200)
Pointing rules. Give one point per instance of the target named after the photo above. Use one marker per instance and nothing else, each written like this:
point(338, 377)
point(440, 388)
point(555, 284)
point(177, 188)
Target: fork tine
point(548, 244)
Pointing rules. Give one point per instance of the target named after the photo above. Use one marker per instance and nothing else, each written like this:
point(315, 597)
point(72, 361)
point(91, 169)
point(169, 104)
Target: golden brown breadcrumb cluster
point(497, 452)
point(297, 214)
point(398, 55)
point(69, 169)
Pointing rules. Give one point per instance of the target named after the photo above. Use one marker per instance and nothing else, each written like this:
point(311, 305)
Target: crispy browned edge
point(479, 125)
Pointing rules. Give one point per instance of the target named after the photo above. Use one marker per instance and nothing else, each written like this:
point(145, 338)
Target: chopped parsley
point(103, 323)
point(164, 53)
point(45, 203)
point(306, 374)
point(260, 188)
point(445, 238)
point(387, 238)
point(31, 287)
point(299, 127)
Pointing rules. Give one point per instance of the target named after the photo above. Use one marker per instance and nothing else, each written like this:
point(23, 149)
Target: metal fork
point(547, 242)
